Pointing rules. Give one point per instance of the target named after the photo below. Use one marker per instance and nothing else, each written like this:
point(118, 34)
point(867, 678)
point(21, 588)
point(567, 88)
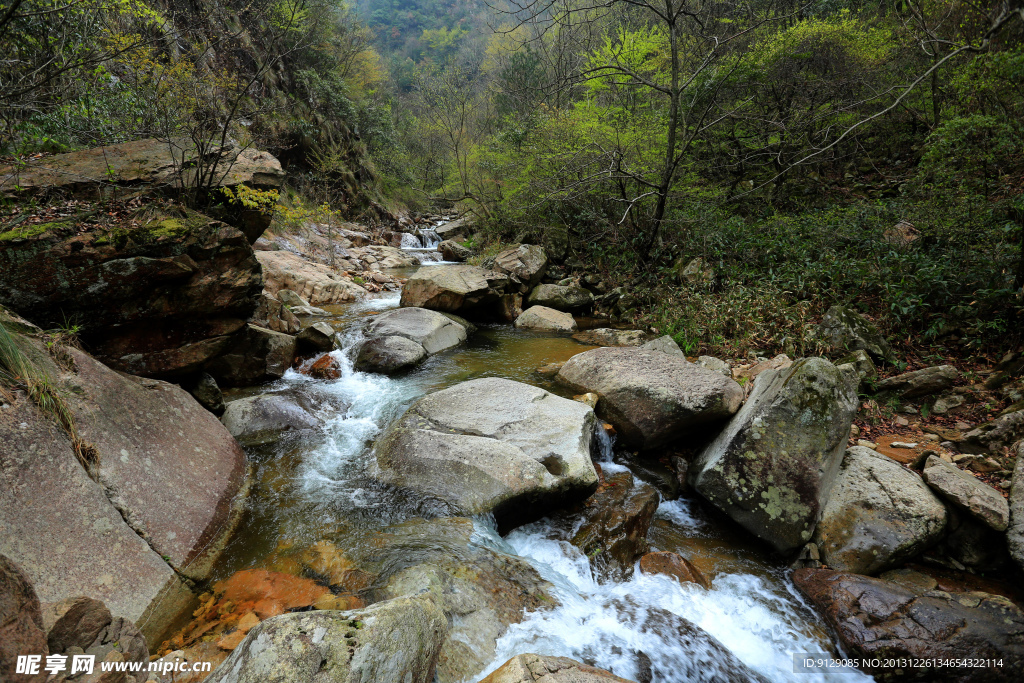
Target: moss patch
point(26, 232)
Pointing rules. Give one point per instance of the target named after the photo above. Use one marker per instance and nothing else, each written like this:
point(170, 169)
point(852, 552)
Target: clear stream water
point(308, 487)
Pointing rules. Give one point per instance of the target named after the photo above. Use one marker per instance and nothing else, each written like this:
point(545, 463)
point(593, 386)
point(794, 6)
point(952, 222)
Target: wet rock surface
point(649, 396)
point(529, 668)
point(878, 514)
point(875, 618)
point(481, 591)
point(262, 419)
point(492, 445)
point(388, 355)
point(773, 466)
point(393, 641)
point(614, 522)
point(674, 565)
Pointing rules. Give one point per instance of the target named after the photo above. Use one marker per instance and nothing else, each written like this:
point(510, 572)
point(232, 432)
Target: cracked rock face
point(492, 445)
point(773, 466)
point(878, 515)
point(878, 618)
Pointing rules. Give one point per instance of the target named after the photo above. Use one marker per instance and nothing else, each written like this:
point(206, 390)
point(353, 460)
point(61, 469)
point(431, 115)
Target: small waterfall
point(410, 241)
point(430, 238)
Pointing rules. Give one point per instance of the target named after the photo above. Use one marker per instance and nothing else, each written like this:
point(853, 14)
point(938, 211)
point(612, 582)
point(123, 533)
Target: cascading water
point(410, 241)
point(430, 238)
point(637, 628)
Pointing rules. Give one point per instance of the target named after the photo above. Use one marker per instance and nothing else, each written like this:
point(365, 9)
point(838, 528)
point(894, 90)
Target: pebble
point(867, 444)
point(963, 426)
point(903, 444)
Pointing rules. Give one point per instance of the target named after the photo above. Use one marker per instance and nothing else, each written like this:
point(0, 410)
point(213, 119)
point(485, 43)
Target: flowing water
point(312, 486)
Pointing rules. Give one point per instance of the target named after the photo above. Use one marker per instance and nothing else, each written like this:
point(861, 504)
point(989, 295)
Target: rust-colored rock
point(324, 367)
point(616, 519)
point(676, 566)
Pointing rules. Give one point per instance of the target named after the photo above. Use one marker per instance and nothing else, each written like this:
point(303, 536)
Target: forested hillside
point(853, 151)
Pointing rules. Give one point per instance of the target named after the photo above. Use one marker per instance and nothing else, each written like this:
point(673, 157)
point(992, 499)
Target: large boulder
point(433, 331)
point(492, 445)
point(667, 344)
point(994, 436)
point(155, 164)
point(878, 515)
point(651, 397)
point(544, 319)
point(125, 530)
point(261, 419)
point(451, 250)
point(388, 355)
point(531, 668)
point(461, 227)
point(21, 622)
point(403, 337)
point(773, 466)
point(918, 383)
point(396, 641)
point(967, 492)
point(561, 297)
point(612, 531)
point(482, 591)
point(318, 337)
point(159, 299)
point(261, 355)
point(1015, 530)
point(456, 289)
point(525, 265)
point(606, 336)
point(877, 620)
point(843, 329)
point(314, 282)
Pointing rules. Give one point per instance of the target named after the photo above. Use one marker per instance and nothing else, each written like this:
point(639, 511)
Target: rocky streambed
point(320, 509)
point(449, 480)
